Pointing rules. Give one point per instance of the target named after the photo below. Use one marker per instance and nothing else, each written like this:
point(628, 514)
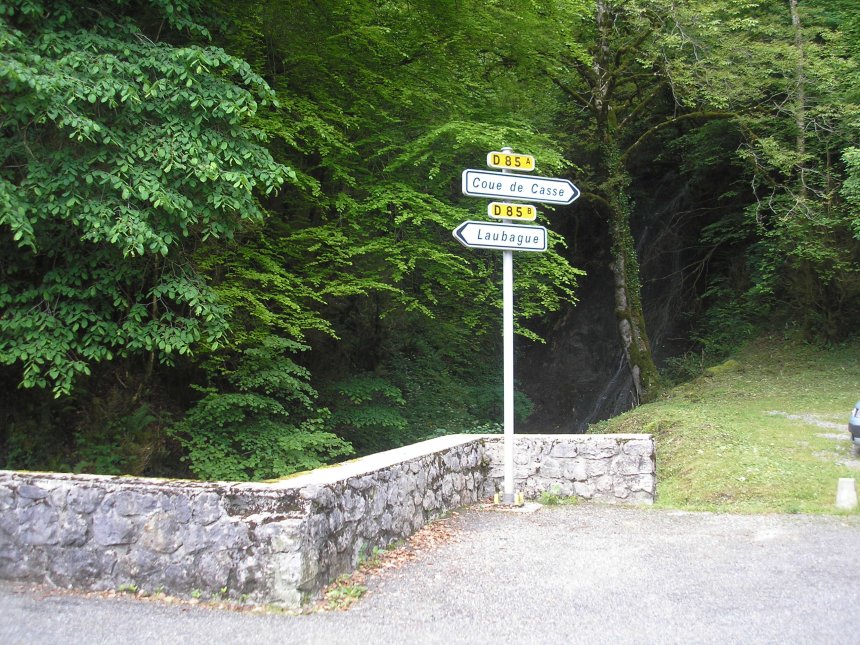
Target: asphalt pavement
point(565, 574)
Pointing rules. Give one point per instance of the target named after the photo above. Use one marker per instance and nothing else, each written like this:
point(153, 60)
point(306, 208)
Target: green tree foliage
point(800, 162)
point(291, 180)
point(263, 422)
point(369, 410)
point(379, 137)
point(119, 154)
point(850, 190)
point(785, 74)
point(358, 255)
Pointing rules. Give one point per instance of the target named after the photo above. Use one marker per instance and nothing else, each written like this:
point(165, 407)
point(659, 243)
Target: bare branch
point(576, 97)
point(643, 103)
point(673, 121)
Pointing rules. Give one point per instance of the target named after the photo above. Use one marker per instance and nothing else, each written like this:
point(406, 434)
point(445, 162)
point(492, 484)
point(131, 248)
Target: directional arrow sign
point(507, 237)
point(486, 183)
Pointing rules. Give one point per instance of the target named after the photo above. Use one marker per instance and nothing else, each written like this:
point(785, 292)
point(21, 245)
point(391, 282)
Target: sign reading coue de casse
point(507, 237)
point(486, 183)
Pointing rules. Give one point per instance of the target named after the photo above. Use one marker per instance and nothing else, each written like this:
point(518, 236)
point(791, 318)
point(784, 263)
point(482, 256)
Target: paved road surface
point(581, 574)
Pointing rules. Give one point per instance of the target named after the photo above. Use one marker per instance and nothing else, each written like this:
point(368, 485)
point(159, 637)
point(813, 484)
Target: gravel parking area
point(566, 574)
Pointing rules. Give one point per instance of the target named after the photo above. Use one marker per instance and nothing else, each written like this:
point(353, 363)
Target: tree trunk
point(615, 189)
point(800, 94)
point(627, 289)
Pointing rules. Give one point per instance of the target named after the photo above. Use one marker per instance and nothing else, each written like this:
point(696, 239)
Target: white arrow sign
point(486, 183)
point(507, 237)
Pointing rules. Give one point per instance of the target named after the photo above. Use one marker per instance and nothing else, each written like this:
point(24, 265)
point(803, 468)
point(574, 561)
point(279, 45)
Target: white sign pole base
point(508, 341)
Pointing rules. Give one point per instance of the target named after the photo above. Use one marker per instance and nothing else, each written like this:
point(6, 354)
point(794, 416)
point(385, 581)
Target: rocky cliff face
point(579, 376)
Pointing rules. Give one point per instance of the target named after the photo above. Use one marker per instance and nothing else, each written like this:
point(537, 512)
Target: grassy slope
point(765, 431)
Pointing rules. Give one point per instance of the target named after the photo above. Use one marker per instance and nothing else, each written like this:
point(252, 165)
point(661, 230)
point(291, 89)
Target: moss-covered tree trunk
point(615, 192)
point(627, 294)
point(628, 300)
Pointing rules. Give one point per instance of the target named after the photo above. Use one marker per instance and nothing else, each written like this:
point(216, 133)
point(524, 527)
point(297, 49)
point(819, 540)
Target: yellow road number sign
point(502, 210)
point(510, 161)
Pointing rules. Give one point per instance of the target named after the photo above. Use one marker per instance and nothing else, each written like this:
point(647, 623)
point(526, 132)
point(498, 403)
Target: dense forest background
point(225, 228)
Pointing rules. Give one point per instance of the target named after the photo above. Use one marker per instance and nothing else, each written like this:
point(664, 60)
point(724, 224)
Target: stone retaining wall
point(619, 468)
point(94, 532)
point(283, 541)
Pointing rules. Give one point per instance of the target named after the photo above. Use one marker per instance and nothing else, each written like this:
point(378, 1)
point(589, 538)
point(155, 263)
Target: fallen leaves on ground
point(347, 589)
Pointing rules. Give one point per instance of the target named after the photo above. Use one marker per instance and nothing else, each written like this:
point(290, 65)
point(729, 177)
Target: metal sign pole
point(508, 333)
point(508, 341)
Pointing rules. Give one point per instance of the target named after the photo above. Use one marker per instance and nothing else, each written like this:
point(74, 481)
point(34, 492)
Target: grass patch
point(766, 431)
point(555, 497)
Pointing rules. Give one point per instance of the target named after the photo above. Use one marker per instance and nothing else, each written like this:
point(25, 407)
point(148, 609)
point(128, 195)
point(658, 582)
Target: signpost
point(508, 238)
